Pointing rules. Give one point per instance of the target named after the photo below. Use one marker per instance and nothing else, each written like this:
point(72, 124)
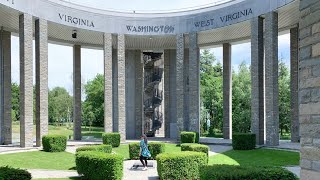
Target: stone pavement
point(44, 173)
point(129, 174)
point(294, 169)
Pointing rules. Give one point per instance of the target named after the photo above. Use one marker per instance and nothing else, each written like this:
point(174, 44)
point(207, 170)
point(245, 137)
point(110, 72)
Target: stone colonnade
point(123, 71)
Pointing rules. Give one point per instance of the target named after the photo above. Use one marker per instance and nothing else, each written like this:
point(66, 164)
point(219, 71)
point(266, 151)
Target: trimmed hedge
point(54, 143)
point(180, 165)
point(111, 138)
point(155, 148)
point(197, 140)
point(195, 147)
point(227, 172)
point(101, 148)
point(187, 137)
point(243, 141)
point(8, 173)
point(99, 165)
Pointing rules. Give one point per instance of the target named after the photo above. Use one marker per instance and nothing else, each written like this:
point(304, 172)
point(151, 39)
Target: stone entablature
point(145, 24)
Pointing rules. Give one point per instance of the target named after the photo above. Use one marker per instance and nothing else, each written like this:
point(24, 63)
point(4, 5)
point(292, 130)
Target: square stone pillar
point(186, 95)
point(77, 92)
point(139, 92)
point(121, 87)
point(166, 94)
point(194, 83)
point(271, 79)
point(41, 40)
point(294, 89)
point(309, 89)
point(257, 80)
point(26, 80)
point(180, 83)
point(227, 92)
point(115, 103)
point(108, 76)
point(5, 91)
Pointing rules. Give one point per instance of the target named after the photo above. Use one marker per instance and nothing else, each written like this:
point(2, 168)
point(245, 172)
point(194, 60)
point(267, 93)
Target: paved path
point(294, 169)
point(129, 174)
point(43, 173)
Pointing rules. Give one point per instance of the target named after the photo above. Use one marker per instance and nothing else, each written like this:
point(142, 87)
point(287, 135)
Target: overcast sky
point(146, 5)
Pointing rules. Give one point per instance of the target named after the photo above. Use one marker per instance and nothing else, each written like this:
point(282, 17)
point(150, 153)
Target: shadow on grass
point(73, 168)
point(94, 134)
point(257, 157)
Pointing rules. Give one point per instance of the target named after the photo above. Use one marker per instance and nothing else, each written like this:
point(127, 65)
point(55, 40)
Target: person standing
point(144, 152)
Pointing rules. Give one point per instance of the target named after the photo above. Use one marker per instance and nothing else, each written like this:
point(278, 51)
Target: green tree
point(60, 105)
point(211, 88)
point(93, 106)
point(15, 113)
point(284, 97)
point(241, 99)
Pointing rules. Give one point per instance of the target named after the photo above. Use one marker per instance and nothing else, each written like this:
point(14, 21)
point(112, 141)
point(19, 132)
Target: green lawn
point(39, 160)
point(59, 178)
point(64, 130)
point(258, 157)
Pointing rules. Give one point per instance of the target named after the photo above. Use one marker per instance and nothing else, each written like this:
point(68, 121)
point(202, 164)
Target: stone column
point(41, 39)
point(180, 83)
point(194, 83)
point(186, 95)
point(115, 103)
point(167, 100)
point(294, 33)
point(139, 91)
point(227, 92)
point(77, 92)
point(257, 80)
point(26, 80)
point(309, 89)
point(122, 87)
point(108, 108)
point(5, 73)
point(271, 81)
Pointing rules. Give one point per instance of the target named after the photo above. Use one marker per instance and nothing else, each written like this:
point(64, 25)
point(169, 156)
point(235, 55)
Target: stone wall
point(309, 88)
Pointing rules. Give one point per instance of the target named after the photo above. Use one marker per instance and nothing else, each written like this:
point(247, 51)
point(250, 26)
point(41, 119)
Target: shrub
point(197, 137)
point(8, 173)
point(99, 165)
point(243, 141)
point(101, 148)
point(226, 172)
point(111, 138)
point(195, 147)
point(180, 165)
point(155, 148)
point(187, 137)
point(54, 143)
